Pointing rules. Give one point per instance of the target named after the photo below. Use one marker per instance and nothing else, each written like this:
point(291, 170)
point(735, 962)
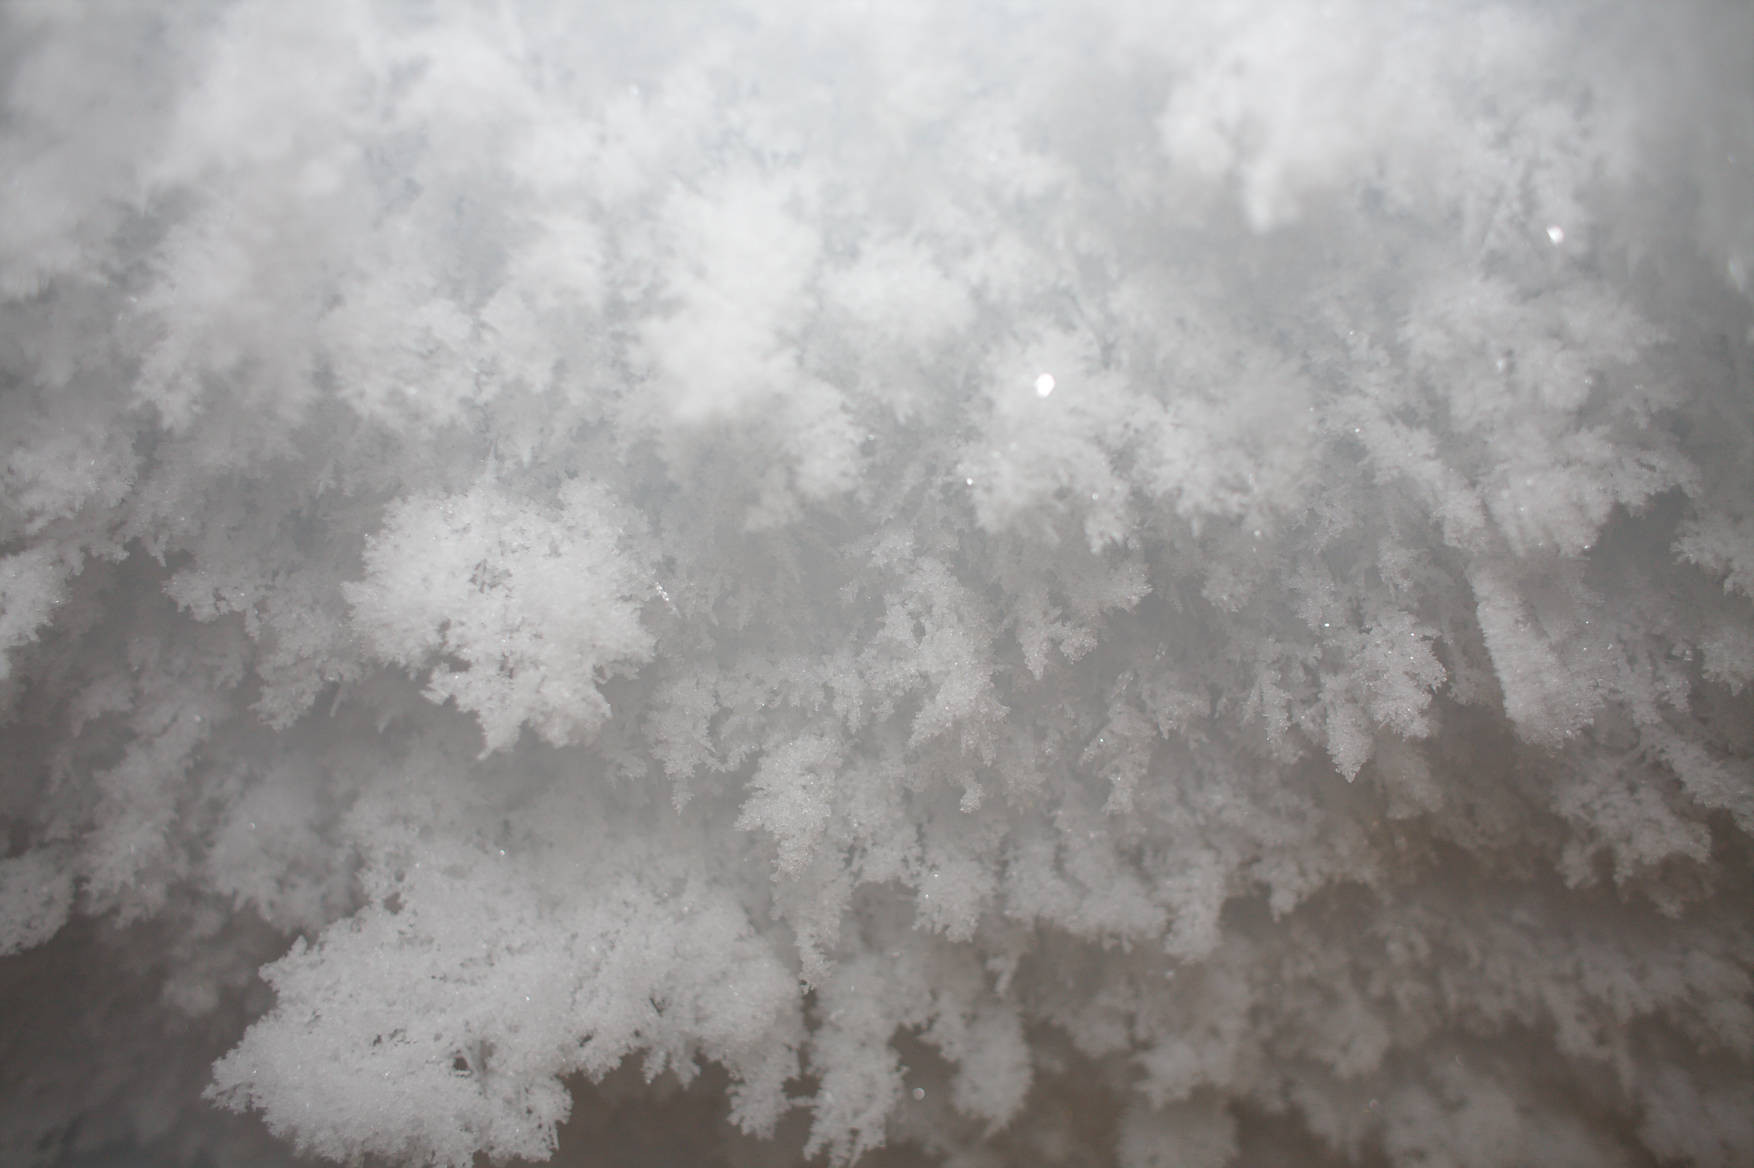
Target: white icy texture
point(1115, 582)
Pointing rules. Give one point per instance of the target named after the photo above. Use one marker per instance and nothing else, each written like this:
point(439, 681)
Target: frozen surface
point(986, 583)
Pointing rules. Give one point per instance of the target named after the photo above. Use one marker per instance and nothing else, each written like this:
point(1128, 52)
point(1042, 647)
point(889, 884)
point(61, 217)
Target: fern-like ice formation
point(991, 581)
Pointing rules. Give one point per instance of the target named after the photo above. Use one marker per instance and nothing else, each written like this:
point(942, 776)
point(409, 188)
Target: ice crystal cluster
point(983, 582)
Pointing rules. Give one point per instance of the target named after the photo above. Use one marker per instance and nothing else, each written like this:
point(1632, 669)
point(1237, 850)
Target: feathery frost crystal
point(982, 582)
